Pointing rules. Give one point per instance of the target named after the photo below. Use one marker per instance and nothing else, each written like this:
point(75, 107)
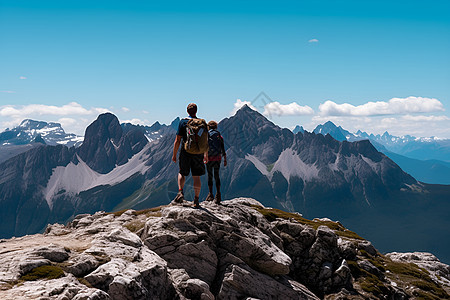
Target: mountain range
point(125, 166)
point(417, 156)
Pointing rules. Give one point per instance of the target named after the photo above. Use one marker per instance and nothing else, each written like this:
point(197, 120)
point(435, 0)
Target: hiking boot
point(179, 198)
point(218, 198)
point(210, 197)
point(196, 203)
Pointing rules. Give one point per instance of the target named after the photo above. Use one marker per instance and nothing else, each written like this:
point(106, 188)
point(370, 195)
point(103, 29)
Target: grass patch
point(355, 269)
point(148, 212)
point(371, 284)
point(135, 225)
point(43, 272)
point(421, 295)
point(408, 269)
point(412, 274)
point(270, 167)
point(271, 214)
point(84, 282)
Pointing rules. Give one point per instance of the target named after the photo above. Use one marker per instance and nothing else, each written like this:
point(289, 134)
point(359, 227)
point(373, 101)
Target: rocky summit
point(238, 250)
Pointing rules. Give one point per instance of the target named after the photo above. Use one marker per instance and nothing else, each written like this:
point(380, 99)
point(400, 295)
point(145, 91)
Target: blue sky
point(370, 65)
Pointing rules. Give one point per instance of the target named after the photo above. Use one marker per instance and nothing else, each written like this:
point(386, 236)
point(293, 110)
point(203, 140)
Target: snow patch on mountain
point(375, 167)
point(258, 164)
point(288, 164)
point(75, 178)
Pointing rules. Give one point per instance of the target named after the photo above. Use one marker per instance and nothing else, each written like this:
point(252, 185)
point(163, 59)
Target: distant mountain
point(337, 133)
point(430, 171)
point(29, 130)
point(51, 183)
point(298, 129)
point(315, 175)
point(426, 169)
point(154, 132)
point(410, 146)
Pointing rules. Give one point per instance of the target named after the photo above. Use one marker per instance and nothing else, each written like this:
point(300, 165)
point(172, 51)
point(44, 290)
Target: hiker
point(192, 134)
point(215, 153)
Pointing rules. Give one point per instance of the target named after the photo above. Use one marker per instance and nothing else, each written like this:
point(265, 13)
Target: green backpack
point(197, 136)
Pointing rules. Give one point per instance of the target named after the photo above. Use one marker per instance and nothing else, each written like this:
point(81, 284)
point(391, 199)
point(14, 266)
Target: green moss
point(378, 263)
point(135, 225)
point(408, 269)
point(371, 284)
point(421, 295)
point(44, 272)
point(431, 287)
point(355, 269)
point(84, 282)
point(271, 214)
point(148, 212)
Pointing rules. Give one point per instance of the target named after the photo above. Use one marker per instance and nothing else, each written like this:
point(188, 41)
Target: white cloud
point(125, 109)
point(22, 77)
point(291, 109)
point(238, 104)
point(72, 108)
point(425, 118)
point(8, 92)
point(313, 41)
point(73, 117)
point(135, 121)
point(394, 106)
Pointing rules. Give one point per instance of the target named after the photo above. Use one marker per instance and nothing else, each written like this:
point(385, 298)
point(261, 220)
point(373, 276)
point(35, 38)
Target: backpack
point(215, 143)
point(197, 136)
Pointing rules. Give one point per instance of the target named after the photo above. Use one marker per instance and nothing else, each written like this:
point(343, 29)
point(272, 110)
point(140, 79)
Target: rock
point(125, 236)
point(91, 294)
point(439, 271)
point(29, 264)
point(53, 253)
point(146, 279)
point(196, 289)
point(347, 249)
point(342, 276)
point(63, 288)
point(82, 265)
point(369, 267)
point(56, 229)
point(327, 235)
point(226, 252)
point(198, 260)
point(368, 247)
point(241, 282)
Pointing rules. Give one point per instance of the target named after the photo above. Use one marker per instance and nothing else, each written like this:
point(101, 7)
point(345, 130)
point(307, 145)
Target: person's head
point(212, 125)
point(192, 109)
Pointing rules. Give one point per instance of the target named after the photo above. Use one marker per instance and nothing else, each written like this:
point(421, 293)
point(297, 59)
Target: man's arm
point(176, 145)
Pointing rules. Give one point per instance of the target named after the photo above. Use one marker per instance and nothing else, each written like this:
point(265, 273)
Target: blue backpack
point(215, 143)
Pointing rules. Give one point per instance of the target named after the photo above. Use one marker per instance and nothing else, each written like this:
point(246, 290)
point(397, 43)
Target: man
point(188, 162)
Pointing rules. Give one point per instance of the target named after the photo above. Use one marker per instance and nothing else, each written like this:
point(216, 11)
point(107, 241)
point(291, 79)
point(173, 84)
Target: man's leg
point(197, 185)
point(217, 178)
point(209, 169)
point(197, 188)
point(181, 181)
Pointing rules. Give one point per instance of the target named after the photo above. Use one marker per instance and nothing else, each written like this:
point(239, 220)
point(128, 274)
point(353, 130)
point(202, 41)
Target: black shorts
point(191, 163)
